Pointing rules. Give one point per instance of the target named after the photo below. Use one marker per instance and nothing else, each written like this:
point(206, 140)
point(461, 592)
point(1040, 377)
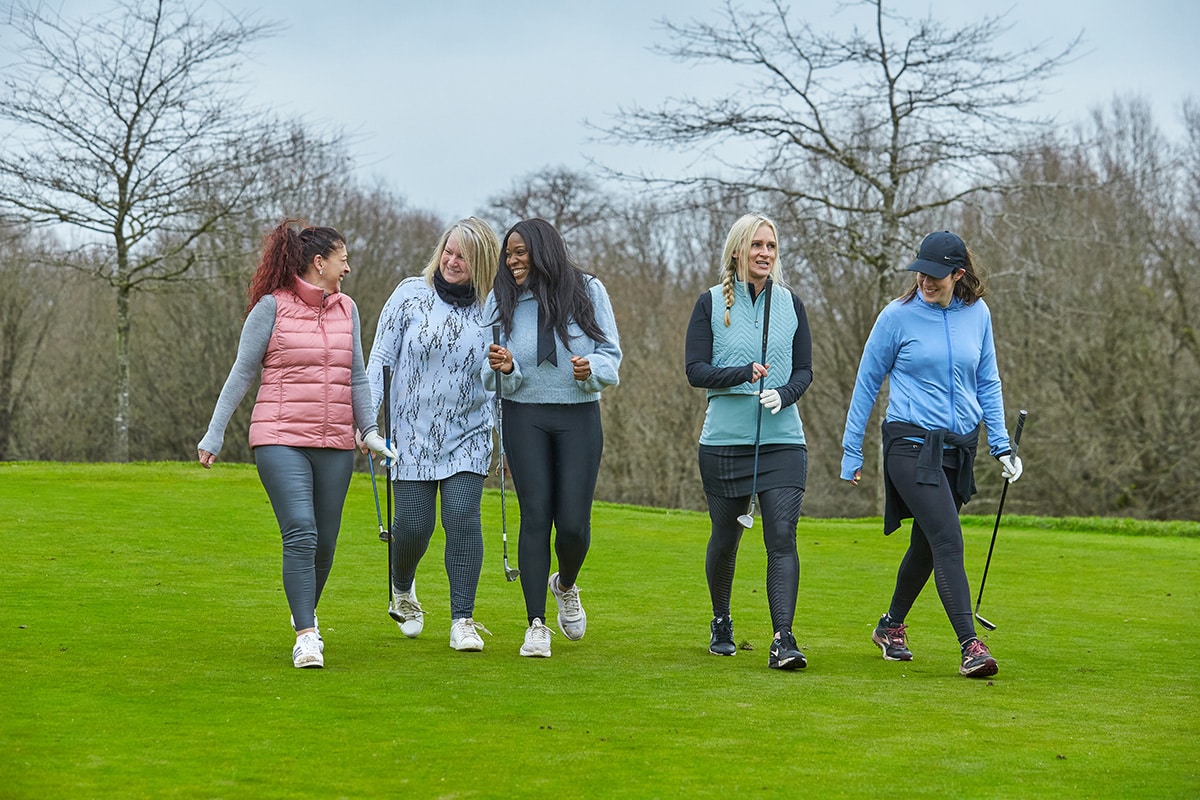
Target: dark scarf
point(453, 293)
point(929, 466)
point(547, 348)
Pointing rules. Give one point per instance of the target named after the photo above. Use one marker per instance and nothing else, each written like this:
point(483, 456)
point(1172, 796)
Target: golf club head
point(746, 521)
point(985, 623)
point(511, 574)
point(385, 536)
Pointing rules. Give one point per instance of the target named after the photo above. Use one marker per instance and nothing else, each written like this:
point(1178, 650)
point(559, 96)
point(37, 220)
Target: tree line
point(129, 242)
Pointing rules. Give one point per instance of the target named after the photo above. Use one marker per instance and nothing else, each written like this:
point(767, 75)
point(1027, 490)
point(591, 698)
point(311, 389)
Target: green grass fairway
point(147, 653)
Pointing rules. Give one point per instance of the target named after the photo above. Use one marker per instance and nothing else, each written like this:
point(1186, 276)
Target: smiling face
point(454, 265)
point(763, 251)
point(938, 290)
point(516, 256)
point(328, 271)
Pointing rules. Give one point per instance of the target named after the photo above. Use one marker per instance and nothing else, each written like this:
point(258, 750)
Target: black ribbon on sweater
point(547, 347)
point(456, 294)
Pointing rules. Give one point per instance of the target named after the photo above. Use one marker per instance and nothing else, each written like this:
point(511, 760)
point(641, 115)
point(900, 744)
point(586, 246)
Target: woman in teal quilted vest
point(724, 357)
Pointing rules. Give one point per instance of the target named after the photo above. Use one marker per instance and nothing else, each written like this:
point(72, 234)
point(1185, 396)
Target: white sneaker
point(537, 641)
point(407, 611)
point(316, 626)
point(463, 635)
point(572, 620)
point(307, 652)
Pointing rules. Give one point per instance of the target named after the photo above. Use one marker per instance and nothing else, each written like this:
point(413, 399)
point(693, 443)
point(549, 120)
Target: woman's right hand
point(758, 371)
point(499, 358)
point(857, 477)
point(206, 458)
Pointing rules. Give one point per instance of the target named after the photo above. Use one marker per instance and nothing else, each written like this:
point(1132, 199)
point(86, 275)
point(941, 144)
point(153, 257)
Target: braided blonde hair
point(737, 254)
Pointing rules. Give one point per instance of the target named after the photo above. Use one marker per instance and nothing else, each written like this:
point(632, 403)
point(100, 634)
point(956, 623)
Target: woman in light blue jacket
point(559, 351)
point(934, 344)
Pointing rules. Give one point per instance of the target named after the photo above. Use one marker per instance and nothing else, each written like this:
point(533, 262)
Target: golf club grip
point(766, 317)
point(387, 405)
point(1016, 439)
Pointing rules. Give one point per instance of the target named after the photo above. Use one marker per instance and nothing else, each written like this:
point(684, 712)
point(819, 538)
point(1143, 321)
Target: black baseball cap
point(941, 253)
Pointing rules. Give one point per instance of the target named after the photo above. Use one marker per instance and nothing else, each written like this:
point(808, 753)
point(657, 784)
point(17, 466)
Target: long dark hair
point(556, 281)
point(287, 253)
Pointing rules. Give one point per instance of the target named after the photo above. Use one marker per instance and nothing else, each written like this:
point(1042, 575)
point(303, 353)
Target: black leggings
point(936, 544)
point(780, 509)
point(413, 526)
point(553, 453)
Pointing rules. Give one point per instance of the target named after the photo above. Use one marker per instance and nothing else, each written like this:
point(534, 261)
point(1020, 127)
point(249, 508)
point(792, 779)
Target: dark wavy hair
point(556, 281)
point(287, 253)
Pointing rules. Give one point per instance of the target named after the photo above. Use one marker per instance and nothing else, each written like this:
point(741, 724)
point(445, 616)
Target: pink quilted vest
point(304, 399)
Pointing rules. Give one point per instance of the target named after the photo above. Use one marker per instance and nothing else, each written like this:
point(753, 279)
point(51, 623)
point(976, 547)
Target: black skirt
point(728, 470)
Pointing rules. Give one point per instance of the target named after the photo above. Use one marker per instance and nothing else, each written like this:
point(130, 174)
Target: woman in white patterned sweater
point(433, 336)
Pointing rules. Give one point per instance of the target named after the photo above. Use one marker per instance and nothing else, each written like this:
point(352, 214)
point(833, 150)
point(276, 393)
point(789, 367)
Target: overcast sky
point(451, 101)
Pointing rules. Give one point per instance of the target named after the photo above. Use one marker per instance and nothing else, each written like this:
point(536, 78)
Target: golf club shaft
point(1016, 442)
point(762, 382)
point(509, 572)
point(387, 437)
point(383, 534)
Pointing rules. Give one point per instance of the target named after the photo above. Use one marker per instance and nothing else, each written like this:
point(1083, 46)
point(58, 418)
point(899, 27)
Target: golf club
point(509, 573)
point(387, 463)
point(747, 519)
point(1016, 441)
point(383, 532)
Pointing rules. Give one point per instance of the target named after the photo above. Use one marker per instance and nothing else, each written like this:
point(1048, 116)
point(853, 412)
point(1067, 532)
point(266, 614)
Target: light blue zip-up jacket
point(531, 382)
point(941, 366)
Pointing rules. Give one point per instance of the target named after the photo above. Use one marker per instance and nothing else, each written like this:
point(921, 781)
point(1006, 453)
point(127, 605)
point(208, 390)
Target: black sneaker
point(977, 661)
point(892, 639)
point(785, 654)
point(722, 637)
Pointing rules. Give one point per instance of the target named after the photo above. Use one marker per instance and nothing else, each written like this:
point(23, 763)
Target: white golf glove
point(377, 443)
point(770, 399)
point(1011, 467)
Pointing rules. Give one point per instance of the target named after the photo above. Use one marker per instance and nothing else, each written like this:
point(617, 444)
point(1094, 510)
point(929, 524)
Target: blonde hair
point(737, 254)
point(479, 247)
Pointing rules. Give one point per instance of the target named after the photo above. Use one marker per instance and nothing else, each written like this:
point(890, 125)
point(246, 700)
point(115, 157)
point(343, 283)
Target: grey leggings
point(413, 525)
point(307, 487)
point(936, 543)
point(780, 509)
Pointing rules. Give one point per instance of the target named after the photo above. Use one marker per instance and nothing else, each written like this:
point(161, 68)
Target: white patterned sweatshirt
point(442, 417)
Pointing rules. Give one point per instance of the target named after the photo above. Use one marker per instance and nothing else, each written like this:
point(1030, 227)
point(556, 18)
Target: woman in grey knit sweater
point(431, 334)
point(559, 350)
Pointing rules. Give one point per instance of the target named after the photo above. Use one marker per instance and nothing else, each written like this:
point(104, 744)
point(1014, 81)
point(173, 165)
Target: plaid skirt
point(728, 470)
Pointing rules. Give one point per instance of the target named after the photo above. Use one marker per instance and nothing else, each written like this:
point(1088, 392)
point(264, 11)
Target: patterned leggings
point(780, 510)
point(412, 527)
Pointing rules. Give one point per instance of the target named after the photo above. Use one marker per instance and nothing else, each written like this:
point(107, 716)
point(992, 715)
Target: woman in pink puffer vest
point(304, 335)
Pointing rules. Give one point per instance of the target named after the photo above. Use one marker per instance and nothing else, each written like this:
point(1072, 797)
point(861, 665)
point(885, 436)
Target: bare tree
point(570, 201)
point(126, 128)
point(858, 143)
point(28, 291)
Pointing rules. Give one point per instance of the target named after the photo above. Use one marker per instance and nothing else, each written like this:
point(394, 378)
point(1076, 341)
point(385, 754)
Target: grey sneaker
point(307, 652)
point(464, 636)
point(407, 611)
point(537, 641)
point(572, 619)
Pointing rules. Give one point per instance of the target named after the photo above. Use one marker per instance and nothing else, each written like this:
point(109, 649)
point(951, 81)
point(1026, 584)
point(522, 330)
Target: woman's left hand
point(583, 368)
